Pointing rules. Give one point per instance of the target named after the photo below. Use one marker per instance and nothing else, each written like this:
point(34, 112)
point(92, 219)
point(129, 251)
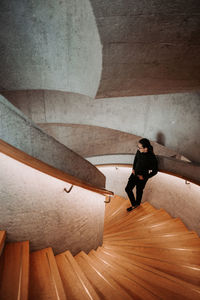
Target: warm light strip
point(160, 170)
point(37, 164)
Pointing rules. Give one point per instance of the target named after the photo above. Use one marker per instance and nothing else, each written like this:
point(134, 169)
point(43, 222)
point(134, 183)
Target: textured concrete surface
point(173, 166)
point(162, 191)
point(94, 140)
point(171, 120)
point(49, 45)
point(34, 206)
point(17, 130)
point(149, 47)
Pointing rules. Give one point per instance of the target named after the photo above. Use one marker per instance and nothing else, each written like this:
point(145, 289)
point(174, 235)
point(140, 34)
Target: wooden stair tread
point(75, 283)
point(118, 219)
point(105, 287)
point(134, 286)
point(168, 226)
point(147, 221)
point(168, 284)
point(189, 256)
point(189, 243)
point(174, 236)
point(121, 214)
point(14, 271)
point(188, 239)
point(154, 218)
point(189, 273)
point(116, 201)
point(45, 281)
point(114, 205)
point(2, 240)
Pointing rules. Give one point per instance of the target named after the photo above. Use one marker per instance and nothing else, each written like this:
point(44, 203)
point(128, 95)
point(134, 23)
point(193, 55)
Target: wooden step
point(117, 219)
point(45, 281)
point(170, 241)
point(161, 241)
point(189, 244)
point(136, 288)
point(169, 226)
point(188, 273)
point(119, 213)
point(142, 210)
point(147, 204)
point(183, 255)
point(164, 285)
point(75, 283)
point(105, 286)
point(111, 207)
point(175, 235)
point(2, 240)
point(14, 271)
point(153, 219)
point(150, 218)
point(127, 219)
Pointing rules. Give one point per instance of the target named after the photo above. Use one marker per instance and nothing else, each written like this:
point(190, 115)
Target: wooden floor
point(146, 254)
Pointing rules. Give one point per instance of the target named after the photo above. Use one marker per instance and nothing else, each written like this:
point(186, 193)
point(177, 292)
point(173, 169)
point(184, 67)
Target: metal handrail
point(68, 191)
point(109, 199)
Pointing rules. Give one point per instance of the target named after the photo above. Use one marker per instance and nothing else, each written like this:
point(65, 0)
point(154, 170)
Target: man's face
point(141, 149)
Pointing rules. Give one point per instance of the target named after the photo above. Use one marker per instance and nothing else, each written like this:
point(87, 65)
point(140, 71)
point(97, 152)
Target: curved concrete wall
point(18, 131)
point(50, 45)
point(172, 120)
point(162, 191)
point(94, 140)
point(149, 47)
point(34, 207)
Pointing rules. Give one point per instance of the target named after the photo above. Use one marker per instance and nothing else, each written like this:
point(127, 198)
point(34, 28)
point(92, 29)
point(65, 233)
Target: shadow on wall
point(160, 138)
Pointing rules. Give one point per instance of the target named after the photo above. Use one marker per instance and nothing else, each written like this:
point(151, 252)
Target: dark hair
point(146, 144)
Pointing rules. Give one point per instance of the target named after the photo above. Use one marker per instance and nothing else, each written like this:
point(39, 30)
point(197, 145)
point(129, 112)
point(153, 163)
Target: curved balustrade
point(21, 139)
point(169, 165)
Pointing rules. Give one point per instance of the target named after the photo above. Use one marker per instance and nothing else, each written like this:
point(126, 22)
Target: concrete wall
point(49, 45)
point(149, 47)
point(17, 130)
point(34, 206)
point(162, 191)
point(94, 140)
point(172, 120)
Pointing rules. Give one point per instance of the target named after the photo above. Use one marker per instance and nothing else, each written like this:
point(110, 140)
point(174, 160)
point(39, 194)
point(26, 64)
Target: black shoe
point(129, 208)
point(136, 205)
point(132, 207)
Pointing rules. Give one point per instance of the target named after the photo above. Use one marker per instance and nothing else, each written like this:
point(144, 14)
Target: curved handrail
point(47, 169)
point(160, 170)
point(185, 170)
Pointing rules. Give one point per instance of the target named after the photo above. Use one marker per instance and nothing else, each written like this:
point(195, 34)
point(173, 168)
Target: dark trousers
point(140, 184)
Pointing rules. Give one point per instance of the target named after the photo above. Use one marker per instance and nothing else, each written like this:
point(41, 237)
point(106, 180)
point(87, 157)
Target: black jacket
point(145, 164)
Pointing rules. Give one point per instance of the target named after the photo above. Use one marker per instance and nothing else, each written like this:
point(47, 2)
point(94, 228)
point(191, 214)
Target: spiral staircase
point(146, 254)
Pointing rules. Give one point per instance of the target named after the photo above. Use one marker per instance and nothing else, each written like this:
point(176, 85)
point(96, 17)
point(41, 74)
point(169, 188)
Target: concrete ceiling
point(149, 47)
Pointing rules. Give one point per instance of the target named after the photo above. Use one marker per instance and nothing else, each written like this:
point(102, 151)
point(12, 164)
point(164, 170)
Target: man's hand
point(133, 171)
point(140, 177)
